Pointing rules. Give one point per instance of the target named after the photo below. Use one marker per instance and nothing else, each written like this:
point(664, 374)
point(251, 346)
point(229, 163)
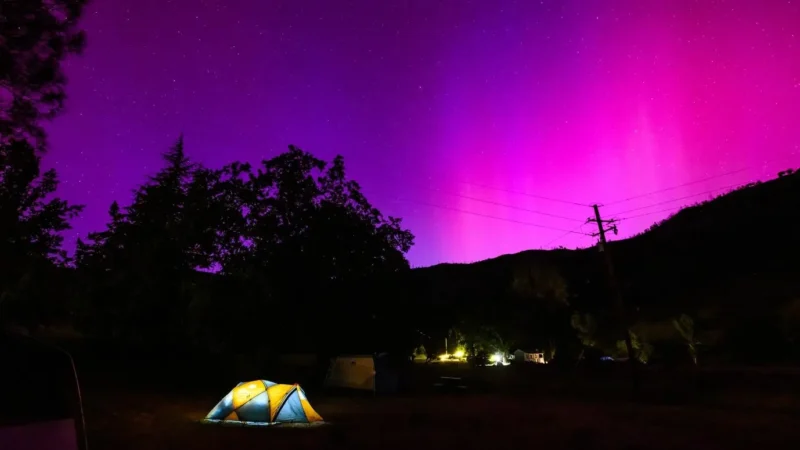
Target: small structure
point(361, 372)
point(261, 403)
point(521, 356)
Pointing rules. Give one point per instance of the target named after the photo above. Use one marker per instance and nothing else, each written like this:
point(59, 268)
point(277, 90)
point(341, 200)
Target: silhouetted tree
point(311, 230)
point(279, 239)
point(142, 266)
point(31, 222)
point(547, 295)
point(586, 327)
point(35, 37)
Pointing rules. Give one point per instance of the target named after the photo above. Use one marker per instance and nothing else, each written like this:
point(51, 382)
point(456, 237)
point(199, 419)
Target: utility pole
point(619, 304)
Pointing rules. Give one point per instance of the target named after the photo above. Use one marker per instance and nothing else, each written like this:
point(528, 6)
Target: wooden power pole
point(619, 304)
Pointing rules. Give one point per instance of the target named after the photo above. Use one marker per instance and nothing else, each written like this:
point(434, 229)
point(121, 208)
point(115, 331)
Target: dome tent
point(262, 402)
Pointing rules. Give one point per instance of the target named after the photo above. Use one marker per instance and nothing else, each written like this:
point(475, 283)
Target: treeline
point(219, 257)
point(201, 257)
point(214, 258)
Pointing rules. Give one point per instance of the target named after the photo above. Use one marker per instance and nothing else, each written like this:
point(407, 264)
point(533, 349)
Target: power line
point(562, 236)
point(681, 198)
point(488, 216)
point(490, 202)
point(540, 197)
point(653, 212)
point(677, 186)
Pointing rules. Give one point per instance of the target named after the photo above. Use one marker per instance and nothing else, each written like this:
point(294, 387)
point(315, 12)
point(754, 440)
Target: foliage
point(482, 338)
point(306, 218)
point(685, 326)
point(547, 309)
point(277, 238)
point(586, 327)
point(642, 348)
point(147, 255)
point(31, 223)
point(35, 37)
point(544, 284)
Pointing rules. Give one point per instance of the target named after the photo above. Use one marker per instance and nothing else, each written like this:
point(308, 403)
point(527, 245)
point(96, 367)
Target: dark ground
point(148, 421)
point(150, 406)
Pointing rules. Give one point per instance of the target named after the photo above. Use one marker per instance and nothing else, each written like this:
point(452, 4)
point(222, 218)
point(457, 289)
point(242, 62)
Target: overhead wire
point(504, 205)
point(527, 194)
point(653, 212)
point(489, 216)
point(562, 236)
point(724, 174)
point(674, 207)
point(557, 200)
point(676, 186)
point(681, 198)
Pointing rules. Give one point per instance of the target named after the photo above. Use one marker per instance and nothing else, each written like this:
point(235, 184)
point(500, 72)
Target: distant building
point(521, 356)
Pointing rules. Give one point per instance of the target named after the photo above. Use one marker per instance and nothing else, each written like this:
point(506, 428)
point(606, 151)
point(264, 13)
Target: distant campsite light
point(459, 353)
point(497, 357)
point(444, 356)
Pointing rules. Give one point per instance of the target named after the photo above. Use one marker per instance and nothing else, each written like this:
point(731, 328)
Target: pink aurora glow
point(576, 100)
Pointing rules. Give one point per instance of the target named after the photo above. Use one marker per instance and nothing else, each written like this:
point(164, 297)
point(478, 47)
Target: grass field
point(121, 415)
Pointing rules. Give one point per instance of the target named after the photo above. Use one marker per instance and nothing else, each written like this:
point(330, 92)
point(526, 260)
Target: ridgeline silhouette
point(729, 264)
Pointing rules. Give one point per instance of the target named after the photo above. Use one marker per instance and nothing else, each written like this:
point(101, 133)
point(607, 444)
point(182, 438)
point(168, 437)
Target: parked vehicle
point(41, 405)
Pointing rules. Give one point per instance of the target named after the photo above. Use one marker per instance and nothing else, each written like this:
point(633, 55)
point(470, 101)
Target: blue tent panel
point(292, 410)
point(291, 405)
point(255, 410)
point(223, 408)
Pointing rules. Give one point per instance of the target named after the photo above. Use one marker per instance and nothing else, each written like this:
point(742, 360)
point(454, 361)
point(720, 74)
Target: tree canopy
point(35, 37)
point(288, 231)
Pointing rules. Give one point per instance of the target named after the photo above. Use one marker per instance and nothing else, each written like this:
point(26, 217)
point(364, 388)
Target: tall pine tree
point(143, 266)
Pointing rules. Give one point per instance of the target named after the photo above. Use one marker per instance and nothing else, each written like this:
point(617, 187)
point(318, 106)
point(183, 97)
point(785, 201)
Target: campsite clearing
point(128, 419)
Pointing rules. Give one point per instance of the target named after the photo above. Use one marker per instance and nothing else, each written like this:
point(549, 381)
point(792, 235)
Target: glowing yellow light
point(497, 357)
point(459, 354)
point(443, 356)
point(243, 394)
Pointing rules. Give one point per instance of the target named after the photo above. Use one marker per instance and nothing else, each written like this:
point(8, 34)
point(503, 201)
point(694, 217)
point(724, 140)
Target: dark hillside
point(736, 256)
point(750, 234)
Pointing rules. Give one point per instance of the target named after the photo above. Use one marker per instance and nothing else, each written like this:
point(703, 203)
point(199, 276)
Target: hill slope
point(736, 254)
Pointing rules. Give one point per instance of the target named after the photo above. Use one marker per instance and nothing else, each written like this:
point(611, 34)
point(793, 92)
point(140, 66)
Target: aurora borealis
point(583, 101)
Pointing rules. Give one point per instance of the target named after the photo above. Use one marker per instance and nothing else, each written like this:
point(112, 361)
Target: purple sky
point(585, 101)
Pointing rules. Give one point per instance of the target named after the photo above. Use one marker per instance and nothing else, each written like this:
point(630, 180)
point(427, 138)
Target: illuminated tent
point(262, 402)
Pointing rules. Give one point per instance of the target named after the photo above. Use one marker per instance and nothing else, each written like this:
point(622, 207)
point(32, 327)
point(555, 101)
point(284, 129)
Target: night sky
point(431, 101)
